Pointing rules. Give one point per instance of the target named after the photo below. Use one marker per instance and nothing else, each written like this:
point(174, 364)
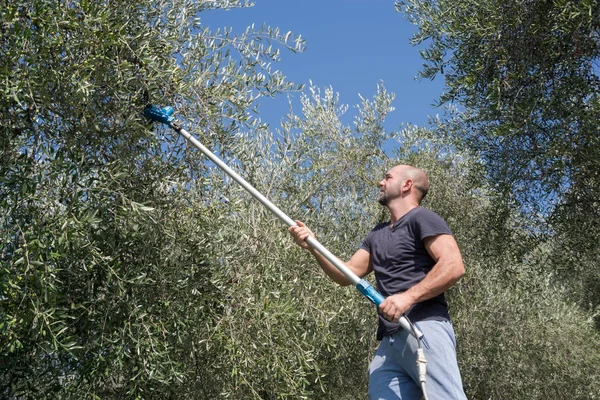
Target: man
point(415, 259)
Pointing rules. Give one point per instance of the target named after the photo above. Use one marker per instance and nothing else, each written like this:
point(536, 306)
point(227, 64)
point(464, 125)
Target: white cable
point(422, 368)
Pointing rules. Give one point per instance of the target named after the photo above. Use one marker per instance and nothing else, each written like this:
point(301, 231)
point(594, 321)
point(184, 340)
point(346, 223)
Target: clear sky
point(351, 45)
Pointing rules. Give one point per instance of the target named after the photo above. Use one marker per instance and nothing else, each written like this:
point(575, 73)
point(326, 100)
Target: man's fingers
point(302, 236)
point(389, 311)
point(385, 309)
point(300, 233)
point(297, 230)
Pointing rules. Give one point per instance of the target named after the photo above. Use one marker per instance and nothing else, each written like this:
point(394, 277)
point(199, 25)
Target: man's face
point(390, 186)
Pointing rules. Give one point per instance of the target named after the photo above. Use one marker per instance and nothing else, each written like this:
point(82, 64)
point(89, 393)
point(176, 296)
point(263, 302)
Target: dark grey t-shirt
point(400, 261)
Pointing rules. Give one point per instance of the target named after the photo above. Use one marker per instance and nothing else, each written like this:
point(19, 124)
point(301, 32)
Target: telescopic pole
point(164, 115)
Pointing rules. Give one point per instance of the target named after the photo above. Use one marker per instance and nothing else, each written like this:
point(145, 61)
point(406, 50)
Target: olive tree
point(286, 331)
point(106, 280)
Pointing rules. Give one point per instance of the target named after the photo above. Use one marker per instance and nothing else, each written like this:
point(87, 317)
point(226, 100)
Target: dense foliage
point(106, 275)
point(131, 268)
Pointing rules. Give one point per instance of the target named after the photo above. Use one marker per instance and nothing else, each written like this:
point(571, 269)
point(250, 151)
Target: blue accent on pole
point(164, 115)
point(370, 293)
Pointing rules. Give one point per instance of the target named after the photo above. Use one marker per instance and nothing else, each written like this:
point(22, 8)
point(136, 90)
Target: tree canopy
point(131, 268)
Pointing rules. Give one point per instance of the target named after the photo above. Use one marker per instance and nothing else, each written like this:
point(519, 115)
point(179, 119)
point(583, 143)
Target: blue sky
point(351, 45)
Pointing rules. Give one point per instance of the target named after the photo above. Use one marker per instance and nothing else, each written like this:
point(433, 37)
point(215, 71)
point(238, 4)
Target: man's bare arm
point(359, 263)
point(448, 269)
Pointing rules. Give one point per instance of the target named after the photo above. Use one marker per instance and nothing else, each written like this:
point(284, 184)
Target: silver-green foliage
point(106, 282)
point(304, 337)
point(131, 269)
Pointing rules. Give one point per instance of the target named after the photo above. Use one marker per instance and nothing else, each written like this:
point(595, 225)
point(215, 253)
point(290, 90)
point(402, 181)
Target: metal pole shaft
point(361, 285)
point(314, 243)
point(257, 195)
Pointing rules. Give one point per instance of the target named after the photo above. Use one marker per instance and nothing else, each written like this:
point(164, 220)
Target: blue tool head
point(164, 115)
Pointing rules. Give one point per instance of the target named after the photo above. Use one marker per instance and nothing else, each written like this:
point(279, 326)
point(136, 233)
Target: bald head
point(418, 176)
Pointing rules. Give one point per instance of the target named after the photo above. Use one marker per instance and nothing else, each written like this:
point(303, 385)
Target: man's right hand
point(300, 232)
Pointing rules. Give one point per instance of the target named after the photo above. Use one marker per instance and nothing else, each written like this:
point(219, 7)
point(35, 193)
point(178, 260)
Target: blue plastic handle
point(370, 292)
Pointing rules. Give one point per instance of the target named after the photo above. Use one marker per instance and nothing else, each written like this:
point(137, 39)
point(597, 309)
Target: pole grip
point(369, 292)
point(376, 298)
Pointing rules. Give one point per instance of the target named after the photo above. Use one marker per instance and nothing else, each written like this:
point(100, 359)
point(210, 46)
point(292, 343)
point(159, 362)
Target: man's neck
point(399, 210)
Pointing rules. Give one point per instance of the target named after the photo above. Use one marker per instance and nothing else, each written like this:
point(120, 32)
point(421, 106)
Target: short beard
point(382, 199)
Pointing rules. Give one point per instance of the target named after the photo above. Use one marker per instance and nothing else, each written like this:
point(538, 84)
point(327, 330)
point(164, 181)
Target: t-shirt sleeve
point(366, 244)
point(431, 224)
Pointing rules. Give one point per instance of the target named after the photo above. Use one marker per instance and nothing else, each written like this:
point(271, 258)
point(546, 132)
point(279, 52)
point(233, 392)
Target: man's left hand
point(396, 305)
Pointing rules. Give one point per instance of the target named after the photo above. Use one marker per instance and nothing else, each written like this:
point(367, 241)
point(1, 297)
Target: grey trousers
point(393, 371)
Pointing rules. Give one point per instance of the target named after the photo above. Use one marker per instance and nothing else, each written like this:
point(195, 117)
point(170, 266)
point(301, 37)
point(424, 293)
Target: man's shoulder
point(422, 212)
point(373, 235)
point(430, 223)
